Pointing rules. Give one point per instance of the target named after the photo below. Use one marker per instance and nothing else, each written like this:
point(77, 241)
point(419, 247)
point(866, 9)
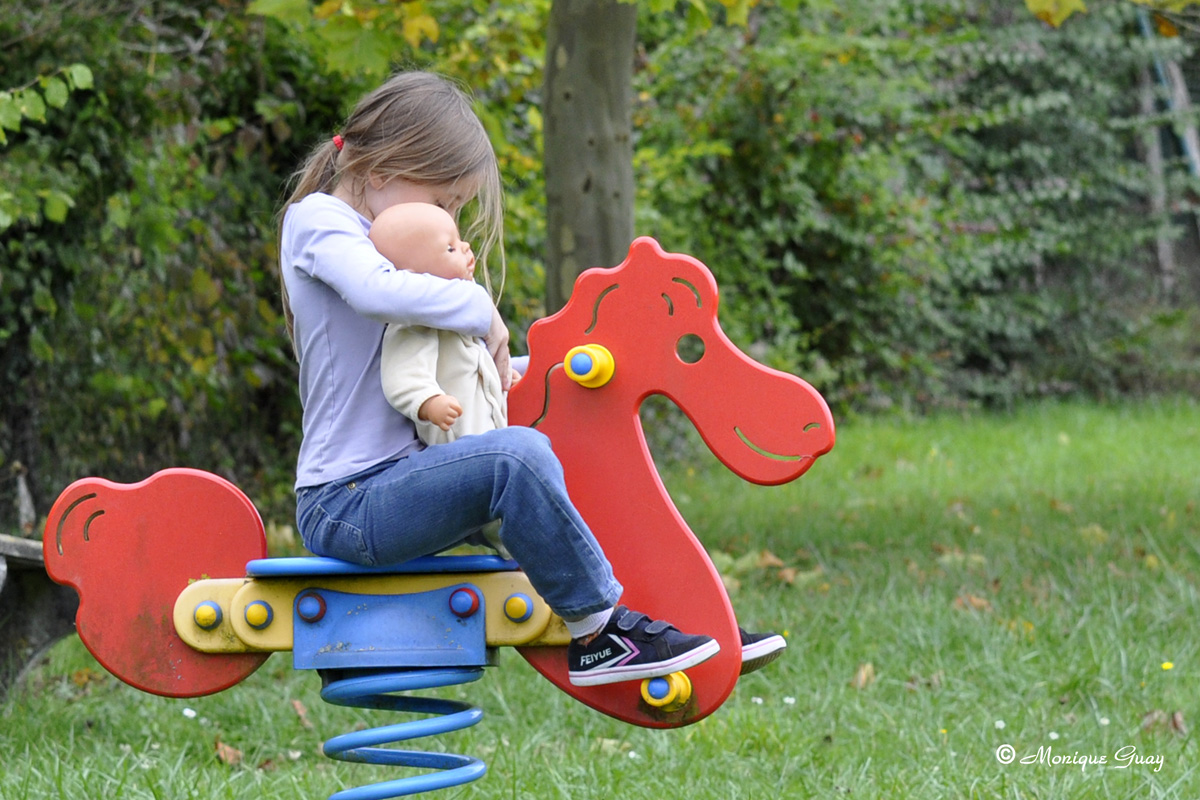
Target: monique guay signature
point(1124, 758)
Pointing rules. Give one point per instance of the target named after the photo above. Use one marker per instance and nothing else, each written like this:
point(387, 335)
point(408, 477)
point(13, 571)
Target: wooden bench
point(35, 612)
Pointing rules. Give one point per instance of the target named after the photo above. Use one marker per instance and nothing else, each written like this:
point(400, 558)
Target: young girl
point(367, 490)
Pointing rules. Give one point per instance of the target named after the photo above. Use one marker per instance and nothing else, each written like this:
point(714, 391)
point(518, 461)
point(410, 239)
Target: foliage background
point(919, 204)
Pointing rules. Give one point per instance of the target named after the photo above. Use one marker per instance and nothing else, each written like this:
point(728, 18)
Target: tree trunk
point(1155, 164)
point(587, 108)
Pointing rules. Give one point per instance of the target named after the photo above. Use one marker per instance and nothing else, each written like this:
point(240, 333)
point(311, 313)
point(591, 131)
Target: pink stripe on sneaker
point(635, 652)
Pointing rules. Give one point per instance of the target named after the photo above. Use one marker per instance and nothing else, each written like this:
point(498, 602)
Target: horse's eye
point(689, 348)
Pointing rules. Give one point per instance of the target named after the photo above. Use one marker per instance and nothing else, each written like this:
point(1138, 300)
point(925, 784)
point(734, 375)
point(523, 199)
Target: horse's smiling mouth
point(767, 453)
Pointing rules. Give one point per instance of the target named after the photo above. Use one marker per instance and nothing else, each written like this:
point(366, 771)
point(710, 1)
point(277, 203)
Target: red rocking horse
point(170, 604)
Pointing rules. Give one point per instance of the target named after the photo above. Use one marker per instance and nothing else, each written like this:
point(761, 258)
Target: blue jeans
point(430, 500)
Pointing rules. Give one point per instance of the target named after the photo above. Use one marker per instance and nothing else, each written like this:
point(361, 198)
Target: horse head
point(655, 316)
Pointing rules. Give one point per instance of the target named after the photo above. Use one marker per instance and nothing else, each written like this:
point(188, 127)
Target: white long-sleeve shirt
point(342, 293)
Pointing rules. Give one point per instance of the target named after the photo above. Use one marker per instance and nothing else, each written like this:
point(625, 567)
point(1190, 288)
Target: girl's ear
point(375, 181)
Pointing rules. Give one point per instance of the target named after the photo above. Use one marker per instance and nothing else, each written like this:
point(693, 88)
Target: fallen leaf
point(768, 559)
point(971, 602)
point(1061, 506)
point(82, 677)
point(795, 577)
point(864, 676)
point(228, 755)
point(610, 747)
point(916, 682)
point(1172, 723)
point(957, 558)
point(1094, 534)
point(1165, 27)
point(302, 713)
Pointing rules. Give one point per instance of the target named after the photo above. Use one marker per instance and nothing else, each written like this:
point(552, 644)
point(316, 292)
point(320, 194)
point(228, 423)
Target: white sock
point(590, 624)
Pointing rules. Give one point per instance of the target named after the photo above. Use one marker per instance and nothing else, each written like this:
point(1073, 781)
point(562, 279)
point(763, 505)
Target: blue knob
point(581, 363)
point(311, 607)
point(464, 602)
point(658, 688)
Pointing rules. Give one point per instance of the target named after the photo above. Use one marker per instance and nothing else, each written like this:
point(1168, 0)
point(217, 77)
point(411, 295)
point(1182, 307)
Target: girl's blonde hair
point(419, 127)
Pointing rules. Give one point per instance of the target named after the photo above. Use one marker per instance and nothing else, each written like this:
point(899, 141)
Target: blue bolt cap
point(464, 602)
point(581, 363)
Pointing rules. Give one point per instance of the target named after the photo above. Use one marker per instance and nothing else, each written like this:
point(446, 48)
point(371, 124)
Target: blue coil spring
point(375, 689)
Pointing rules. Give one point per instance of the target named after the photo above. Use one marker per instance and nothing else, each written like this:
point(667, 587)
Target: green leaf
point(10, 112)
point(43, 301)
point(206, 291)
point(80, 76)
point(31, 105)
point(353, 49)
point(56, 92)
point(119, 212)
point(293, 11)
point(55, 206)
point(42, 350)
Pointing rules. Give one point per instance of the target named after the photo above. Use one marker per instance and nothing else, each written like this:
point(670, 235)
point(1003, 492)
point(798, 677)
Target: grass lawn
point(947, 586)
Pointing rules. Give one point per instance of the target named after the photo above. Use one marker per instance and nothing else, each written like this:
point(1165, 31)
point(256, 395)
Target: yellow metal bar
point(244, 603)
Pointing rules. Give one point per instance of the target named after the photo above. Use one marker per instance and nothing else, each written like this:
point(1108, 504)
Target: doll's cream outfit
point(419, 363)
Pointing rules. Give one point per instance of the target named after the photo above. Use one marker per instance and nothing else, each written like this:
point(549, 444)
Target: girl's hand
point(496, 342)
point(442, 410)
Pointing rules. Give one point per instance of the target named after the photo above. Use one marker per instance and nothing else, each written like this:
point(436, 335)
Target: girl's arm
point(342, 257)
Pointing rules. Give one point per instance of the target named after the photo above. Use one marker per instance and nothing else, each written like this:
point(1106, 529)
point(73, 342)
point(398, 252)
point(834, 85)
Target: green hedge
point(911, 204)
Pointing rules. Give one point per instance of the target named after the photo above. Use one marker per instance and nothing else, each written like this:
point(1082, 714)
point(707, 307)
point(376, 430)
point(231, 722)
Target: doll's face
point(421, 237)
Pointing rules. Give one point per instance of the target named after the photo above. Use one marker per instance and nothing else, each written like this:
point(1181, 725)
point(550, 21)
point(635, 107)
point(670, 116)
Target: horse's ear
point(647, 254)
point(646, 247)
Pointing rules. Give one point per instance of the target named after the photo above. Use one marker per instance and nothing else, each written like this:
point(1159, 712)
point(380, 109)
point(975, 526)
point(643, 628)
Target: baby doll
point(446, 383)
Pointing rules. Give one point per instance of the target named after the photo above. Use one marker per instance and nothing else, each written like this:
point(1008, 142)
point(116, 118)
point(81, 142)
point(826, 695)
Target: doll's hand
point(496, 342)
point(441, 409)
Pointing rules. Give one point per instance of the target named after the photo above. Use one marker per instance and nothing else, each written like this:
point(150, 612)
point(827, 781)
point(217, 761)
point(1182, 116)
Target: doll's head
point(421, 237)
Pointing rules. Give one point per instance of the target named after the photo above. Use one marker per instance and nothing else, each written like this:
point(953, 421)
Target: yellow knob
point(590, 365)
point(518, 607)
point(669, 693)
point(259, 614)
point(207, 615)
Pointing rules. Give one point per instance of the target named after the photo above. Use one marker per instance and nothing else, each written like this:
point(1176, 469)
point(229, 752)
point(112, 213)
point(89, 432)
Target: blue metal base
point(422, 629)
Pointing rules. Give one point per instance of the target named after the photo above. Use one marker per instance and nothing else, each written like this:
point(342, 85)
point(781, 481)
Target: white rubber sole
point(757, 655)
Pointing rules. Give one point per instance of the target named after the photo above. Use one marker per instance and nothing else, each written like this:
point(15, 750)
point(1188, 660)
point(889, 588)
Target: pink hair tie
point(338, 142)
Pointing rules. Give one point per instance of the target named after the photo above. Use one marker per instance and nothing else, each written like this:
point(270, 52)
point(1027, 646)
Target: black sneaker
point(760, 649)
point(631, 647)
